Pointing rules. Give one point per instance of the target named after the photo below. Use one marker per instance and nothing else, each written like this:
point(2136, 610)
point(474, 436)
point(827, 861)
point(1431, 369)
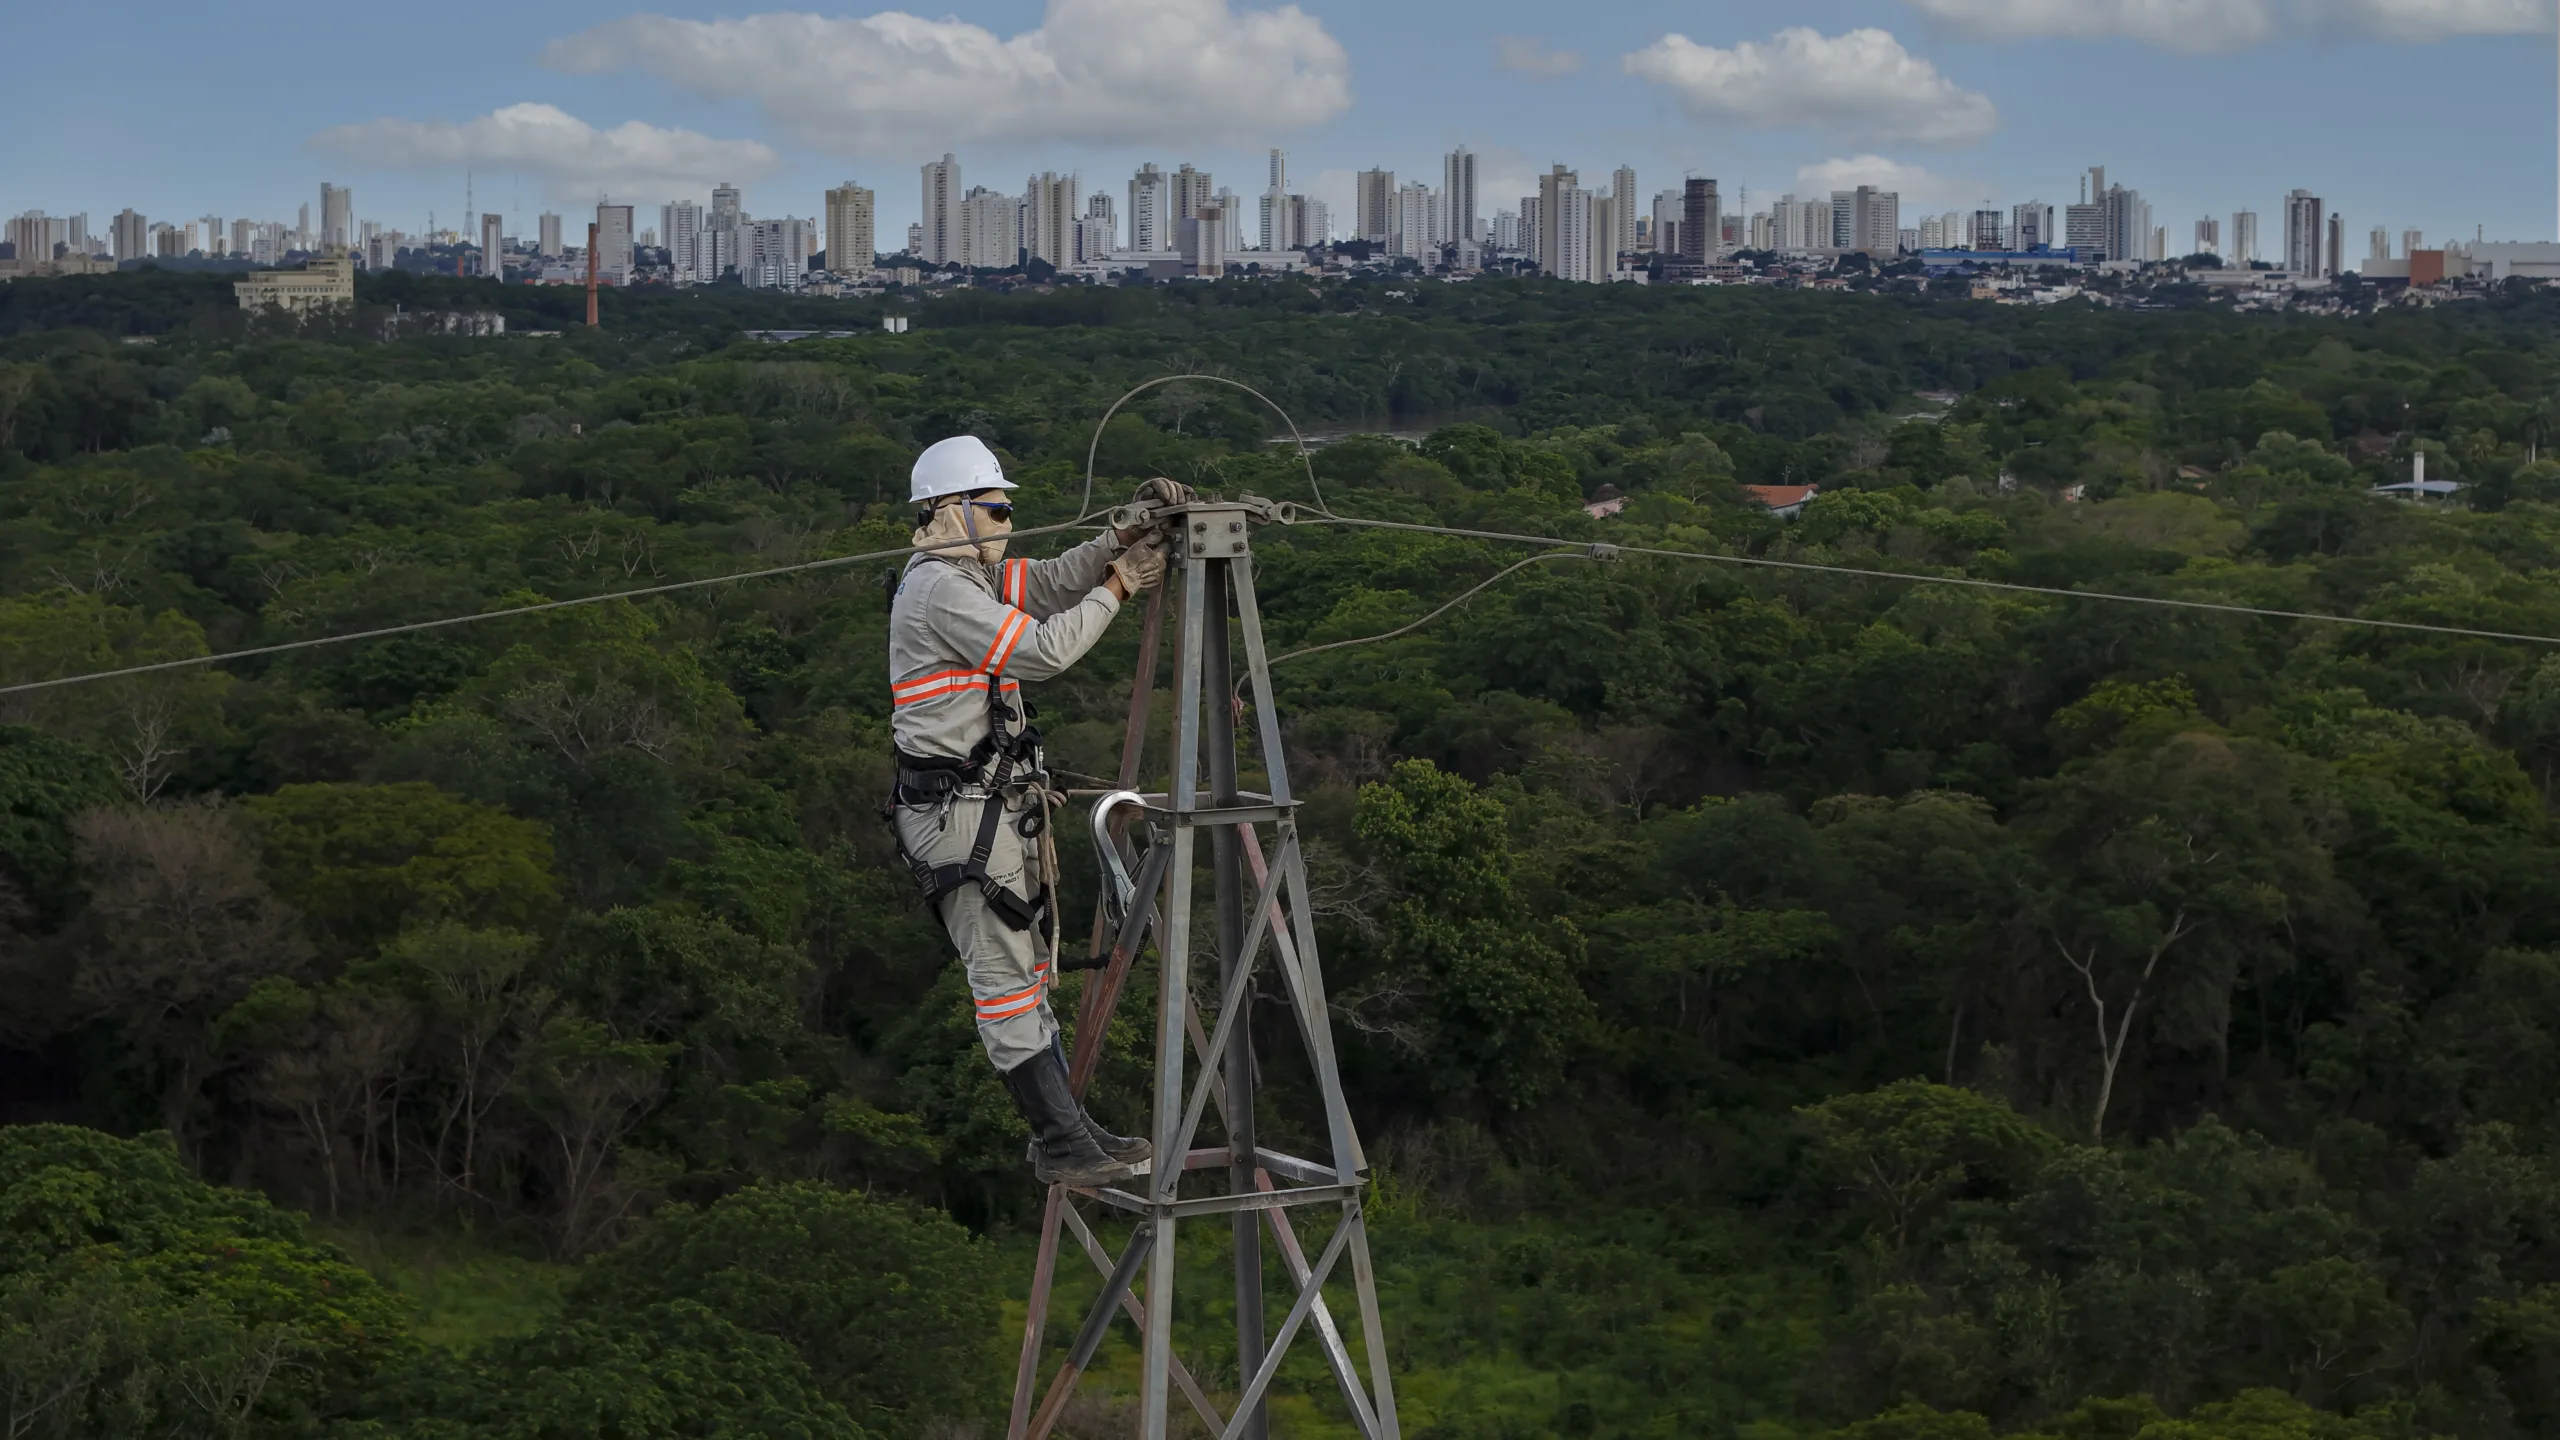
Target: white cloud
point(2173, 24)
point(1860, 86)
point(2225, 25)
point(577, 160)
point(2428, 19)
point(1921, 189)
point(1533, 57)
point(1095, 71)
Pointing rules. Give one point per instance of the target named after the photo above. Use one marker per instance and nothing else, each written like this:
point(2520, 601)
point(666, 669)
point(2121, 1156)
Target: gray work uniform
point(957, 631)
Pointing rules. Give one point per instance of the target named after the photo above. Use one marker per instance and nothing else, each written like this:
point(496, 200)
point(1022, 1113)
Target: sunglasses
point(996, 509)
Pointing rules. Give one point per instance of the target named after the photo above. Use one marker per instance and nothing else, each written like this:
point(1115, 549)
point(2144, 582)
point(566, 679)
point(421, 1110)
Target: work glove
point(1141, 566)
point(1161, 491)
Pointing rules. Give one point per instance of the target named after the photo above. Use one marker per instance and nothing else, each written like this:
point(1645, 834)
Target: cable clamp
point(1604, 553)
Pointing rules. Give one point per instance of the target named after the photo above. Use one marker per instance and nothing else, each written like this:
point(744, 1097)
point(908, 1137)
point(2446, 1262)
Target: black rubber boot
point(1061, 1150)
point(1127, 1149)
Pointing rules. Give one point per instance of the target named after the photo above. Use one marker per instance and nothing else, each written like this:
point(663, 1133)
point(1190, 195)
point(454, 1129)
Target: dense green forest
point(1779, 1005)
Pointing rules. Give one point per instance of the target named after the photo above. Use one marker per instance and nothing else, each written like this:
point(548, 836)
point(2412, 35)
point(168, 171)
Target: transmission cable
point(352, 636)
point(1605, 550)
point(1306, 457)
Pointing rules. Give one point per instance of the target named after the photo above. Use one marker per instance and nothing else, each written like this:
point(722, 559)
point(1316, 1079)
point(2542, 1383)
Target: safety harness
point(1000, 760)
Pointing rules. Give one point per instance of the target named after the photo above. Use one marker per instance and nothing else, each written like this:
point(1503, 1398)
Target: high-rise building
point(493, 246)
point(777, 253)
point(1564, 225)
point(244, 233)
point(1611, 222)
point(1990, 230)
point(131, 235)
point(1274, 210)
point(549, 244)
point(1098, 232)
point(27, 237)
point(1311, 220)
point(1569, 220)
point(1051, 206)
point(1202, 231)
point(169, 242)
point(1667, 206)
point(680, 225)
point(990, 230)
point(1458, 194)
point(2304, 215)
point(1374, 207)
point(1627, 217)
point(1410, 230)
point(1151, 216)
point(2412, 241)
point(2244, 238)
point(211, 226)
point(2031, 225)
point(337, 216)
point(1701, 220)
point(2337, 256)
point(941, 222)
point(850, 247)
point(915, 240)
point(1506, 230)
point(1192, 189)
point(1531, 231)
point(2208, 237)
point(1866, 219)
point(613, 244)
point(2378, 243)
point(302, 229)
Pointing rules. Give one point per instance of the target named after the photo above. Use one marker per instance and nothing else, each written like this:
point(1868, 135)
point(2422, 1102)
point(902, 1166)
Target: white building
point(1151, 212)
point(682, 231)
point(493, 246)
point(1411, 230)
point(942, 221)
point(549, 245)
point(2031, 225)
point(2244, 239)
point(990, 230)
point(778, 252)
point(1052, 204)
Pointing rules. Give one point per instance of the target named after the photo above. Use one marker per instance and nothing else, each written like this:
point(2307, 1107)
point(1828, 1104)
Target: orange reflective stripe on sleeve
point(1017, 581)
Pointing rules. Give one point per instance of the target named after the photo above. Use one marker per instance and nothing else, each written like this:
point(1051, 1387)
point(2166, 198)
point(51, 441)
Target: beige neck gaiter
point(951, 522)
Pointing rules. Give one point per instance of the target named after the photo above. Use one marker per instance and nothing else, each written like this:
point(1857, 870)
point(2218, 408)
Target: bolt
point(1200, 527)
point(1235, 547)
point(1234, 525)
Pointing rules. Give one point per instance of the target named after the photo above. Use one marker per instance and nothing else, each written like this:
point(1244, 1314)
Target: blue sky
point(2430, 114)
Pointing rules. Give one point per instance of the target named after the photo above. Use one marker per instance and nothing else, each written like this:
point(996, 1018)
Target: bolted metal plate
point(1217, 532)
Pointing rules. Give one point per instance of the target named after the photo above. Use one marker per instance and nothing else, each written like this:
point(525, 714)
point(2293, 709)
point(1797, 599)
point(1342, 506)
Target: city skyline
point(1949, 103)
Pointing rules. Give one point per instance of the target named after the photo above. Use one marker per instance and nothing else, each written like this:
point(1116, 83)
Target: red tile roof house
point(1784, 501)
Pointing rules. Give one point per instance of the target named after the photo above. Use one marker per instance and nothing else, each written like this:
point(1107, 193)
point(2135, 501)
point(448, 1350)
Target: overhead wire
point(1324, 515)
point(1602, 550)
point(351, 637)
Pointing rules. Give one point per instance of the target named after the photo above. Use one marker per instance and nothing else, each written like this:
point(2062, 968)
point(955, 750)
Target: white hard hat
point(961, 465)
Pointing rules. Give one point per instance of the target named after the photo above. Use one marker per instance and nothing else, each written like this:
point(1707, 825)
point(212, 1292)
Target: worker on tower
point(968, 627)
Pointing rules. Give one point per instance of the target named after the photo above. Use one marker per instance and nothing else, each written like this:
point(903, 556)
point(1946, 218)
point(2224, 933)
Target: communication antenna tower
point(1259, 912)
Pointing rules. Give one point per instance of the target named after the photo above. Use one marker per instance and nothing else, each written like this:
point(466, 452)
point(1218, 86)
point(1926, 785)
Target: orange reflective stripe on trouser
point(1005, 1007)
